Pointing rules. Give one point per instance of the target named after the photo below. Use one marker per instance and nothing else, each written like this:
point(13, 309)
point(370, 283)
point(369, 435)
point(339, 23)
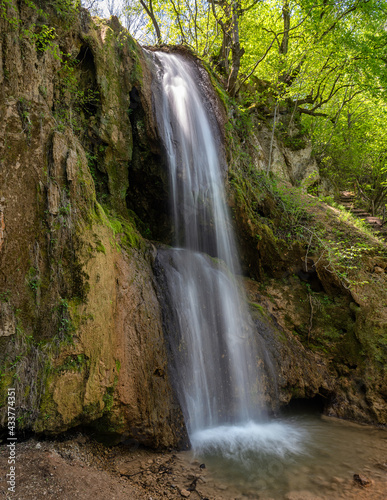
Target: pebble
point(185, 493)
point(362, 480)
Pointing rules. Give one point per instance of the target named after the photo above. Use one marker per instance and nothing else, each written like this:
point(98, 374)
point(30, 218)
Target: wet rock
point(362, 480)
point(111, 308)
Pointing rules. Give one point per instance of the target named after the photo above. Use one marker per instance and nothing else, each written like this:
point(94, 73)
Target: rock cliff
point(80, 325)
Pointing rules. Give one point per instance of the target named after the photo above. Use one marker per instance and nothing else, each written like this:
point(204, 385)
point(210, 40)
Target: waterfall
point(214, 356)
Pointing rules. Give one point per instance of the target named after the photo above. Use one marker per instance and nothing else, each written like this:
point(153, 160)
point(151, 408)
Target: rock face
point(290, 161)
point(80, 325)
point(297, 373)
point(316, 275)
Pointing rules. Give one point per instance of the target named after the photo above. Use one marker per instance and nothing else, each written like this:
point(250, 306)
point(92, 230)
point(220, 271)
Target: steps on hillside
point(347, 199)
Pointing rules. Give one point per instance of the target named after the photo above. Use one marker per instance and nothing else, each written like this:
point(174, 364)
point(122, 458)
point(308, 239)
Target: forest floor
point(79, 468)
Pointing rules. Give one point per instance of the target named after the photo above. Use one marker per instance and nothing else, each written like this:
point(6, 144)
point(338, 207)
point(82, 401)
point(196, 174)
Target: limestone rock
point(294, 166)
point(53, 198)
point(71, 165)
point(7, 320)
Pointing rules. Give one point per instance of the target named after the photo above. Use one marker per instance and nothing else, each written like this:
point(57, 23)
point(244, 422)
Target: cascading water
point(214, 353)
point(215, 358)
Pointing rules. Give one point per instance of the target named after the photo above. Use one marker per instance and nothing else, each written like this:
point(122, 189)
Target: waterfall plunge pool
point(302, 456)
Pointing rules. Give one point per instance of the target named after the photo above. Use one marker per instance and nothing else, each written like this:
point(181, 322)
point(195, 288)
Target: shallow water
point(309, 453)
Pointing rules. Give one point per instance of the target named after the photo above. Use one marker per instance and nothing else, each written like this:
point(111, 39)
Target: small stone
point(38, 446)
point(185, 493)
point(362, 480)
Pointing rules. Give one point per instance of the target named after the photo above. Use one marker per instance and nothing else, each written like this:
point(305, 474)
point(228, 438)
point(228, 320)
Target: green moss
point(100, 247)
point(258, 307)
point(49, 417)
point(293, 142)
point(218, 87)
point(6, 381)
point(33, 279)
point(108, 399)
point(74, 362)
point(124, 230)
point(65, 325)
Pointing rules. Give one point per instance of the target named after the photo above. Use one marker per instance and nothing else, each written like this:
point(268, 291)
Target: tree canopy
point(328, 58)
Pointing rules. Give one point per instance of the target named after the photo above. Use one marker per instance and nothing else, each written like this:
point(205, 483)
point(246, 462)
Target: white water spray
point(214, 354)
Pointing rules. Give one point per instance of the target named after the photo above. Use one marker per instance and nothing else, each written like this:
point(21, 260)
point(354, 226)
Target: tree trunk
point(285, 39)
point(236, 51)
point(226, 30)
point(149, 11)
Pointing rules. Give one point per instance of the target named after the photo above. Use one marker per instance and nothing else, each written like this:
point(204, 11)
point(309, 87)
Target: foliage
point(352, 150)
point(324, 60)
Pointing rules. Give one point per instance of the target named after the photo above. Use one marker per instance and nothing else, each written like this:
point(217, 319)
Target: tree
point(135, 19)
point(148, 7)
point(325, 58)
point(354, 153)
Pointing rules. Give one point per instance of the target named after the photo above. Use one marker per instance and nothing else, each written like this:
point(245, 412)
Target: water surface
point(301, 453)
